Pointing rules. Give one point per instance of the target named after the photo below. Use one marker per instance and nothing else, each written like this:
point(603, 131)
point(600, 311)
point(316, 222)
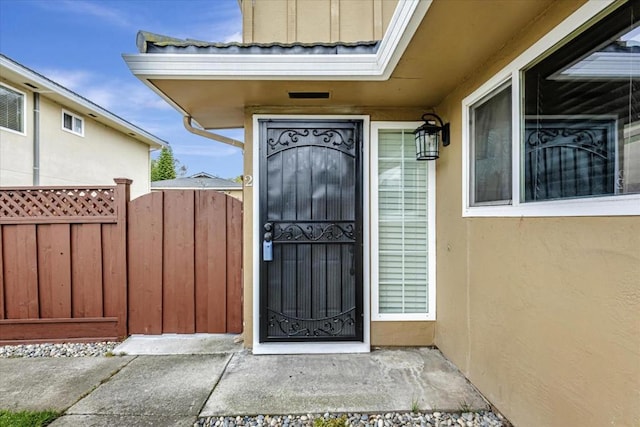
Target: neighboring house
point(527, 226)
point(200, 181)
point(51, 136)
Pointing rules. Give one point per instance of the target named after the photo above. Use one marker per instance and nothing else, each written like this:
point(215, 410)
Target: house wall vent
point(308, 95)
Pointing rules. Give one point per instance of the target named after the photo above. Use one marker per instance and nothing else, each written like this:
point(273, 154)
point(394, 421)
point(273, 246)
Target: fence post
point(122, 197)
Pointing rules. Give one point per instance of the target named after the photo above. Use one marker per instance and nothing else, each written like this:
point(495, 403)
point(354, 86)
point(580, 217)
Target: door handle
point(267, 244)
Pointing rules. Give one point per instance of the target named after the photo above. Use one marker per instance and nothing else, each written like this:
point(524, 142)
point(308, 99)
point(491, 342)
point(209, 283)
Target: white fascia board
point(379, 66)
point(251, 67)
point(45, 85)
point(403, 25)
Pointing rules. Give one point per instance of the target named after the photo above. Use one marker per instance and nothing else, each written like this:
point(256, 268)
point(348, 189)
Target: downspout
point(36, 138)
point(186, 120)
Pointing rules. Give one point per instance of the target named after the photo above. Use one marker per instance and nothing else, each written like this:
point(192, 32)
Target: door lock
point(267, 244)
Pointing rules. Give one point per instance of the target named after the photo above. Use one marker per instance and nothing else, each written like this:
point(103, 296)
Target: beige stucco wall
point(388, 333)
point(68, 159)
point(541, 314)
point(404, 334)
point(310, 21)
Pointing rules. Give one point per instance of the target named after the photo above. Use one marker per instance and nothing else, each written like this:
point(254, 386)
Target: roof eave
point(45, 85)
point(378, 66)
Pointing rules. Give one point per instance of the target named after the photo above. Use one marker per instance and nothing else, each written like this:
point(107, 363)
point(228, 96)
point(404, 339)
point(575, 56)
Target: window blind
point(11, 109)
point(402, 225)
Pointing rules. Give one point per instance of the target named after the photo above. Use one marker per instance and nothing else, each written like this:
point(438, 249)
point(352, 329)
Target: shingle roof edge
point(148, 42)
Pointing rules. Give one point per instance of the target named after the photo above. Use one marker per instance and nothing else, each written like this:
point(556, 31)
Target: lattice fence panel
point(48, 205)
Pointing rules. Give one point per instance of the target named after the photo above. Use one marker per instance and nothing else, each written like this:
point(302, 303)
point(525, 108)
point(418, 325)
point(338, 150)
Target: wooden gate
point(184, 263)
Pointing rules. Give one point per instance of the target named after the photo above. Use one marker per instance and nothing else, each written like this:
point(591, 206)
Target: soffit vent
point(308, 95)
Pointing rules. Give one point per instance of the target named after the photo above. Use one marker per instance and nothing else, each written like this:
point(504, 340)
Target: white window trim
point(376, 127)
point(315, 347)
point(24, 112)
point(73, 118)
point(621, 205)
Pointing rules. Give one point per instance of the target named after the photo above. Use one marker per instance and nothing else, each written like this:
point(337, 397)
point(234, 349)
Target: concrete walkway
point(152, 385)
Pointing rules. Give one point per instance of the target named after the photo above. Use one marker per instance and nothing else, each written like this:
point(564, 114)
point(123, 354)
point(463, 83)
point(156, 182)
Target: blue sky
point(79, 43)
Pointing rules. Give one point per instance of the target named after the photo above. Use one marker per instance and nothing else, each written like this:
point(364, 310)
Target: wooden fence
point(68, 264)
point(63, 263)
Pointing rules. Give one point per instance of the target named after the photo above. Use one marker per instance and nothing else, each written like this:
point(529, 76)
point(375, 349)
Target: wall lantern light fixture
point(428, 137)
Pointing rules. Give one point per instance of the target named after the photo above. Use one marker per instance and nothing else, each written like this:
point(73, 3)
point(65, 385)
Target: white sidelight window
point(403, 228)
point(12, 107)
point(72, 123)
point(557, 132)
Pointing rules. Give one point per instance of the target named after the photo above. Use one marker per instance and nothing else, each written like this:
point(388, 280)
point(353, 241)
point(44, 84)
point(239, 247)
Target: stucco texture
point(66, 159)
point(544, 314)
point(95, 159)
point(541, 314)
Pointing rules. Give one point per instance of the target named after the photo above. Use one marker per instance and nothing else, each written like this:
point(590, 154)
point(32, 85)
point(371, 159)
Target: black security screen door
point(311, 217)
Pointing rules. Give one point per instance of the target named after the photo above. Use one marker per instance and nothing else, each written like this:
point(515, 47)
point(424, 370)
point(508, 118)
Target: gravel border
point(423, 419)
point(95, 349)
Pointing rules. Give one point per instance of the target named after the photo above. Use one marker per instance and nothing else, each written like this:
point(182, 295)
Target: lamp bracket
point(433, 115)
point(444, 127)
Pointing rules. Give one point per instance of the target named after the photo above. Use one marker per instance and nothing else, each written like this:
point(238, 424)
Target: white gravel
point(429, 419)
point(95, 349)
